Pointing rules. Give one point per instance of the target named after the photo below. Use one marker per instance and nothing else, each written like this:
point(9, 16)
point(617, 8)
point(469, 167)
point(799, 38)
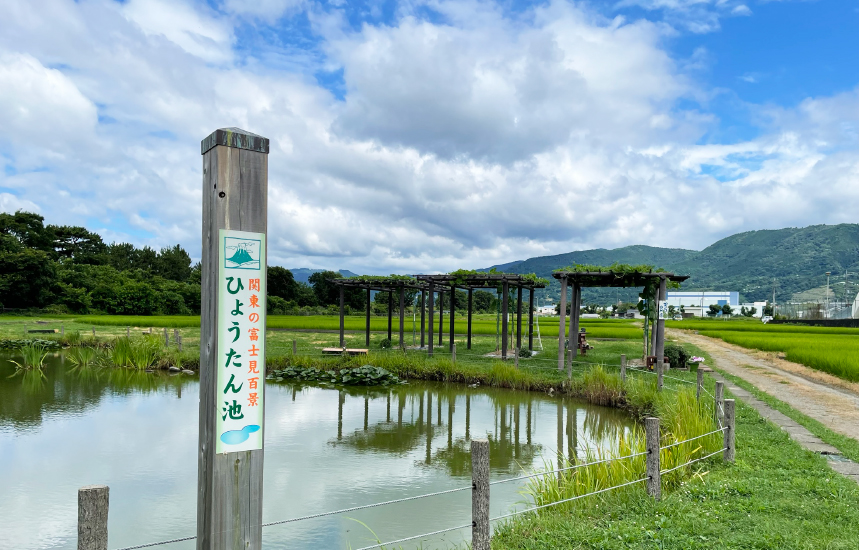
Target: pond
point(326, 449)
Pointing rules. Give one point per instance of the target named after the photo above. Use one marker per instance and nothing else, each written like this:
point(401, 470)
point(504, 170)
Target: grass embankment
point(481, 324)
point(829, 349)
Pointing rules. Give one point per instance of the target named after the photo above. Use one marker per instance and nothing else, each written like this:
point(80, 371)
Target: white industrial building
point(698, 303)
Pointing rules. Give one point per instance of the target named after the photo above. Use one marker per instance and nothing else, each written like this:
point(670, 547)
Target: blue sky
point(431, 135)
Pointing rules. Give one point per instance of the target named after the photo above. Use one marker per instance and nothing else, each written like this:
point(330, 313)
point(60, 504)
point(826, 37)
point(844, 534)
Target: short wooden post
point(176, 335)
point(719, 403)
point(700, 384)
point(654, 478)
point(659, 367)
point(128, 332)
point(62, 330)
point(166, 338)
point(93, 501)
point(179, 342)
point(480, 494)
point(93, 332)
point(622, 367)
point(453, 353)
point(730, 425)
point(294, 347)
point(516, 358)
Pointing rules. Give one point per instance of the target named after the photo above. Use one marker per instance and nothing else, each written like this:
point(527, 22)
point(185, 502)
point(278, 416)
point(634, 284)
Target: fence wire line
point(538, 474)
point(691, 439)
point(415, 537)
point(157, 543)
point(352, 509)
point(692, 461)
point(567, 500)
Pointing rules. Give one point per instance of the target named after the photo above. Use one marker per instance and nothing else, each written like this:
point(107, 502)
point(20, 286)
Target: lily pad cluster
point(366, 375)
point(47, 345)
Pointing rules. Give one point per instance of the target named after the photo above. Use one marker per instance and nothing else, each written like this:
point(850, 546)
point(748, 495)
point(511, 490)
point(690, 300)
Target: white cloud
point(265, 9)
point(466, 143)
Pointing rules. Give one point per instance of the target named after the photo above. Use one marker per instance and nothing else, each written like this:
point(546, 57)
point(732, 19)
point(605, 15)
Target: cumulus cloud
point(465, 139)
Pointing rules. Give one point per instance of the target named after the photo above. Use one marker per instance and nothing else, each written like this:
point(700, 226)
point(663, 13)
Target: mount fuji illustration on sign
point(241, 253)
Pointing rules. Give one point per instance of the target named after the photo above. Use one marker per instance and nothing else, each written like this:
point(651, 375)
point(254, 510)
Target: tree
point(768, 309)
point(281, 283)
point(28, 228)
point(174, 264)
point(743, 311)
point(121, 256)
point(27, 278)
point(726, 309)
point(328, 294)
point(752, 311)
point(77, 244)
point(714, 310)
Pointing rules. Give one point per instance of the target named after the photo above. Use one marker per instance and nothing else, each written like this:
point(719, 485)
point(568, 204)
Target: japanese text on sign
point(241, 341)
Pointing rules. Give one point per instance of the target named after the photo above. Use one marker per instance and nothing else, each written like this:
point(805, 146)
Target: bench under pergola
point(480, 281)
point(577, 280)
point(432, 285)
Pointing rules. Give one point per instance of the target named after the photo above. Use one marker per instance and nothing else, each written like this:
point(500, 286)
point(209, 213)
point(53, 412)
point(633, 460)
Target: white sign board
point(241, 341)
point(663, 309)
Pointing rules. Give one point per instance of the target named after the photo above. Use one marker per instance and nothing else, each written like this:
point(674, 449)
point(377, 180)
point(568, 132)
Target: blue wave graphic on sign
point(234, 437)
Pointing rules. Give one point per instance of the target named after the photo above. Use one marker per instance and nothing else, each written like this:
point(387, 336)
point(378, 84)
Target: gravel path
point(823, 397)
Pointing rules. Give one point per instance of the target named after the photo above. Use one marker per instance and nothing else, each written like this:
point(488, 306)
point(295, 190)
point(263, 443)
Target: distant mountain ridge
point(797, 258)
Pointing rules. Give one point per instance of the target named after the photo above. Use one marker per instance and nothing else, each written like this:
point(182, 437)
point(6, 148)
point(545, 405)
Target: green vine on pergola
point(462, 276)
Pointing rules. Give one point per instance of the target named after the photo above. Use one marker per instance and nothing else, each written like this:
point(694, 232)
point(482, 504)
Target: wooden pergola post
point(390, 312)
point(431, 295)
point(235, 221)
point(575, 310)
point(505, 298)
point(440, 317)
point(660, 323)
point(470, 308)
point(402, 315)
point(531, 319)
point(518, 318)
point(367, 339)
point(342, 317)
point(452, 315)
point(423, 308)
point(562, 327)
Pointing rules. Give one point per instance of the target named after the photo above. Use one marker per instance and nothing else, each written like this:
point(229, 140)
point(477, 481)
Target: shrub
point(677, 356)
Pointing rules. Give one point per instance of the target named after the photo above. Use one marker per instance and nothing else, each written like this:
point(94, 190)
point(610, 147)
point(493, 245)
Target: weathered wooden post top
point(232, 341)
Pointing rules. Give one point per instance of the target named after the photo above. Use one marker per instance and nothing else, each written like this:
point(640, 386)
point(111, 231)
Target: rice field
point(829, 349)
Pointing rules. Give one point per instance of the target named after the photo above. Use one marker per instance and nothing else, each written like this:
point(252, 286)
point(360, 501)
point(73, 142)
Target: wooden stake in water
point(654, 479)
point(93, 503)
point(480, 494)
point(571, 354)
point(179, 342)
point(623, 368)
point(166, 338)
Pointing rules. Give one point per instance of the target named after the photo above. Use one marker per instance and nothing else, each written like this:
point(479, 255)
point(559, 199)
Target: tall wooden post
point(531, 319)
point(452, 315)
point(700, 385)
point(367, 320)
point(505, 298)
point(470, 308)
point(402, 316)
point(660, 322)
point(623, 367)
point(342, 317)
point(730, 426)
point(562, 327)
point(431, 323)
point(719, 403)
point(230, 453)
point(518, 319)
point(575, 310)
point(423, 308)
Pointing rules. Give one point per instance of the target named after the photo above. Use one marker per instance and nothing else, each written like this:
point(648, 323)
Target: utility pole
point(773, 297)
point(826, 315)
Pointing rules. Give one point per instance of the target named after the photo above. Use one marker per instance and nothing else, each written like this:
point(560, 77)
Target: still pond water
point(325, 450)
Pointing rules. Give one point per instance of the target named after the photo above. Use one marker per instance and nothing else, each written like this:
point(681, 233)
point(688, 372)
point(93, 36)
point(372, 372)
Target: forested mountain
point(795, 258)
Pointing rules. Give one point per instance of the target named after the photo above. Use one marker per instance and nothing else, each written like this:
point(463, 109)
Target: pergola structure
point(390, 285)
point(580, 279)
point(479, 281)
point(432, 285)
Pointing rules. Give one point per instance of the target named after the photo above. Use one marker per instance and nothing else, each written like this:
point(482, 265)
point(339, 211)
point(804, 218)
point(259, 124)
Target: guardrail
point(93, 501)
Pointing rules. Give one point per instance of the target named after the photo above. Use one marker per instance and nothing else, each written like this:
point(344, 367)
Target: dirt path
point(823, 397)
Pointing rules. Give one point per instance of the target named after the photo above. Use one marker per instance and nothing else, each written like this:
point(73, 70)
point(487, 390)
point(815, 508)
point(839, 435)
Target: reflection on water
point(325, 449)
